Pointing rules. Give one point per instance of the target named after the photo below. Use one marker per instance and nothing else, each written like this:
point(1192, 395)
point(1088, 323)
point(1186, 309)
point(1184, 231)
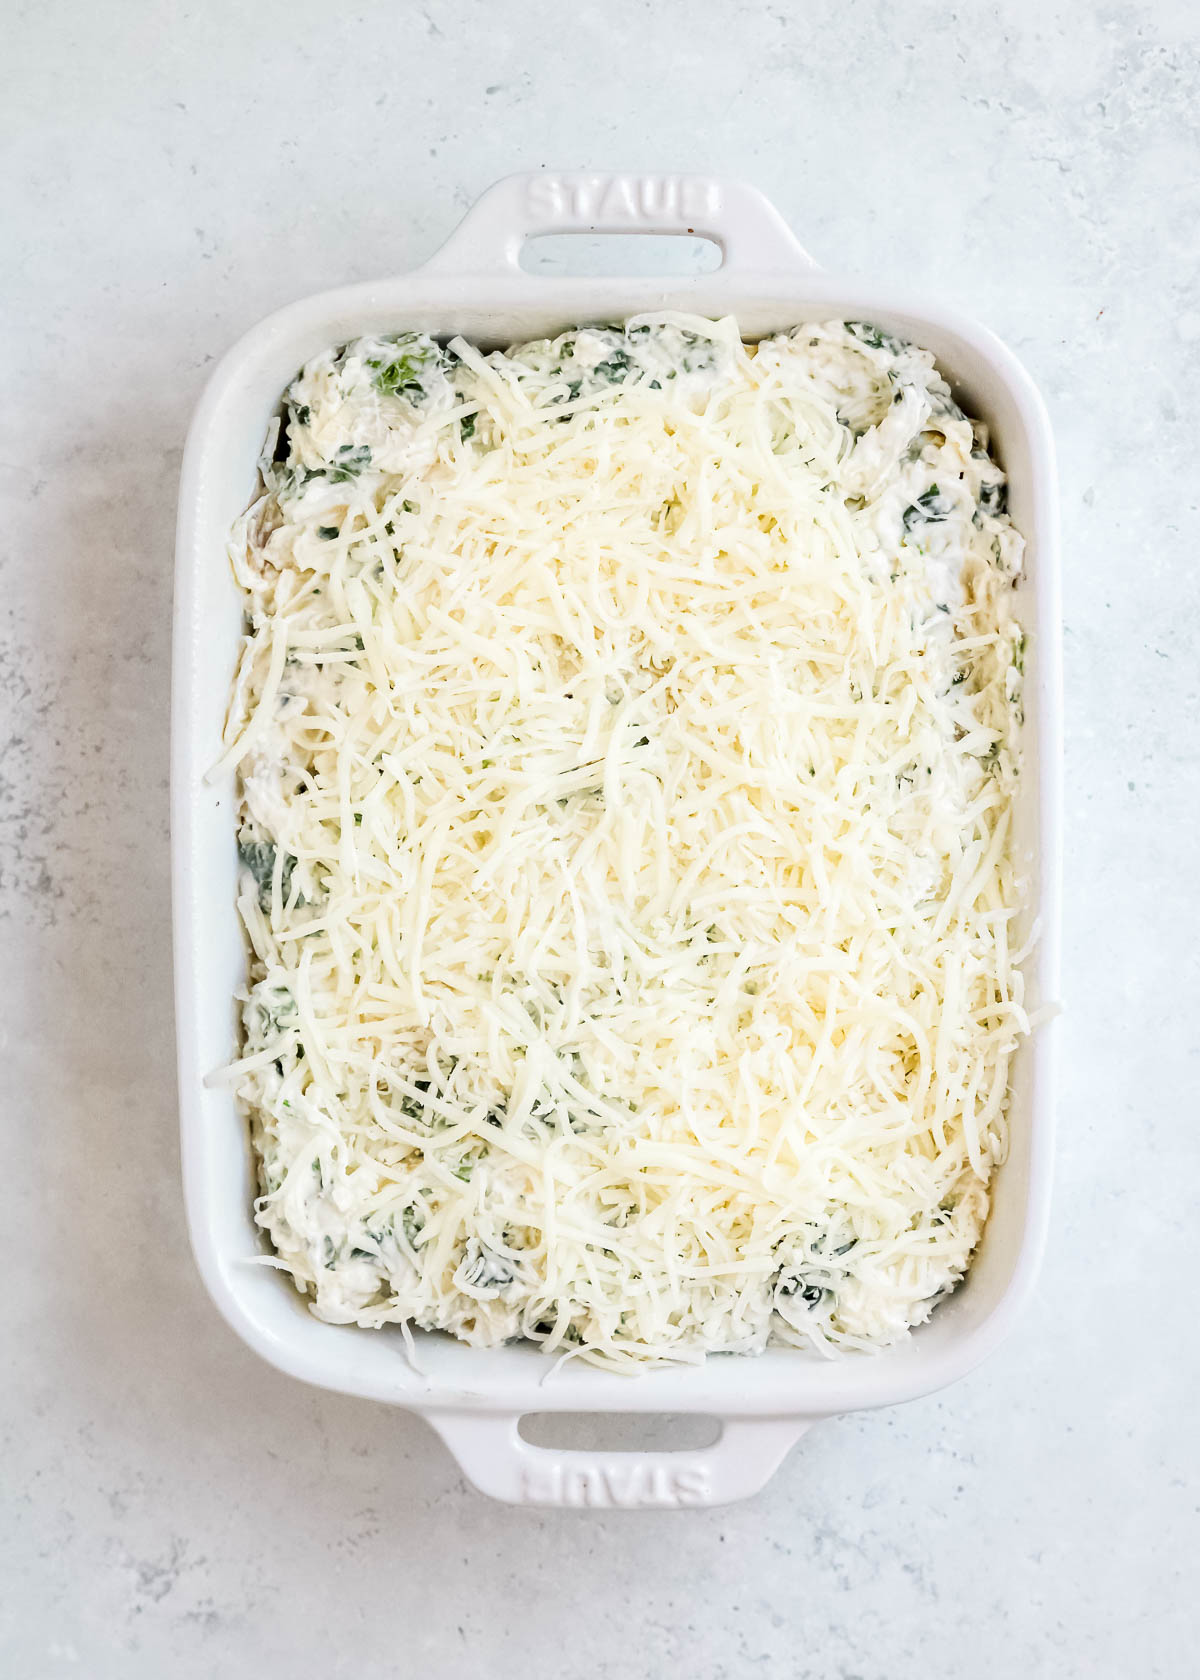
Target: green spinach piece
point(258, 856)
point(615, 368)
point(930, 508)
point(486, 1270)
point(866, 332)
point(350, 460)
point(405, 374)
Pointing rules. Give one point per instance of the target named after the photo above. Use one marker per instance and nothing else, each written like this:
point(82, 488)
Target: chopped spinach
point(484, 1270)
point(699, 353)
point(615, 369)
point(930, 508)
point(406, 372)
point(380, 1227)
point(874, 337)
point(810, 1288)
point(276, 1010)
point(412, 1221)
point(413, 1108)
point(350, 460)
point(285, 481)
point(466, 1166)
point(416, 1107)
point(258, 856)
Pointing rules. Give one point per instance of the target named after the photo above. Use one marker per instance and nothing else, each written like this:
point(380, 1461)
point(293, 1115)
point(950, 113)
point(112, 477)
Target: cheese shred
point(626, 732)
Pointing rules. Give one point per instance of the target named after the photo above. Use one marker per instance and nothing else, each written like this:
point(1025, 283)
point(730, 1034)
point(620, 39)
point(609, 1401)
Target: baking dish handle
point(752, 235)
point(493, 1455)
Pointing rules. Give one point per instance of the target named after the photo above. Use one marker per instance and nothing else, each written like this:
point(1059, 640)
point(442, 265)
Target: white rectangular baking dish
point(475, 1398)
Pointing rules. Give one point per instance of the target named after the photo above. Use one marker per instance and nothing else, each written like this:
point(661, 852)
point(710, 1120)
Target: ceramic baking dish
point(475, 1398)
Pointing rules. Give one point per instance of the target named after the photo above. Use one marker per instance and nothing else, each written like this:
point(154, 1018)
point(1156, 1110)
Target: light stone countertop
point(176, 1510)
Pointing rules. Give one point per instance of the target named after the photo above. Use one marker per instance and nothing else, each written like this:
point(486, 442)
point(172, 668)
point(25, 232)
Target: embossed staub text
point(621, 200)
point(607, 1483)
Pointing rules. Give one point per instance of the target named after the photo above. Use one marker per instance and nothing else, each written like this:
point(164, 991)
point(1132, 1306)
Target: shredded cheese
point(626, 730)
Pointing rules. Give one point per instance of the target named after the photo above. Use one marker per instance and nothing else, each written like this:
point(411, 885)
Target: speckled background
point(173, 1507)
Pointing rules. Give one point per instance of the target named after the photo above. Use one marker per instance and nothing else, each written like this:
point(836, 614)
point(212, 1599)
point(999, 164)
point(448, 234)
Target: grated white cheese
point(626, 728)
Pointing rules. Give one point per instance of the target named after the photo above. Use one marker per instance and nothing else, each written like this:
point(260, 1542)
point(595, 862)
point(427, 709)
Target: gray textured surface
point(176, 1508)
